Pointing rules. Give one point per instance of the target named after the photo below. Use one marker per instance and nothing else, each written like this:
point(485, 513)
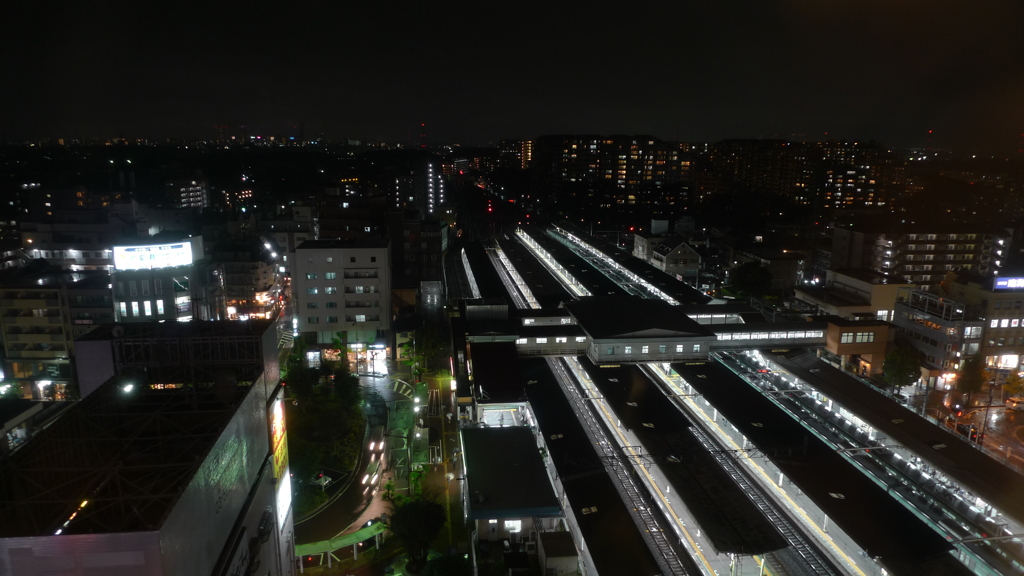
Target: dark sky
point(476, 72)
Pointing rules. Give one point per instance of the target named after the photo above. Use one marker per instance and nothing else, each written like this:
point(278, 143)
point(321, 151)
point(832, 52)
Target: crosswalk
point(285, 339)
point(402, 387)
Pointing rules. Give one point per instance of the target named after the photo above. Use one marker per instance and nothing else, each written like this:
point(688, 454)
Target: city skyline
point(929, 75)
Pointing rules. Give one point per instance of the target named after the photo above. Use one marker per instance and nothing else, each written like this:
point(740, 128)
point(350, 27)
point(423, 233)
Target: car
point(1015, 403)
point(764, 371)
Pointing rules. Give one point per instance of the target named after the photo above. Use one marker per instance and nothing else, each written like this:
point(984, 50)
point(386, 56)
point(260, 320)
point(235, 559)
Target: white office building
point(342, 290)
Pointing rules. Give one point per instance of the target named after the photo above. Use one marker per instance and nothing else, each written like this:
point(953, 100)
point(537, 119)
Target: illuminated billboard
point(153, 256)
point(278, 438)
point(1008, 283)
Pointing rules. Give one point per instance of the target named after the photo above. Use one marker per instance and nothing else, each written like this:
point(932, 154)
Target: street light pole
point(984, 425)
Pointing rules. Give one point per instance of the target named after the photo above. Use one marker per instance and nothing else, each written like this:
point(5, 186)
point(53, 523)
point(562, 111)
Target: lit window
point(528, 320)
point(311, 291)
point(994, 323)
point(513, 525)
point(135, 309)
point(159, 307)
point(628, 350)
point(645, 349)
point(520, 340)
point(147, 306)
point(1004, 323)
point(561, 340)
point(360, 317)
point(124, 309)
point(581, 338)
point(542, 340)
point(331, 290)
point(846, 338)
point(330, 275)
point(679, 348)
point(662, 349)
point(310, 275)
point(696, 347)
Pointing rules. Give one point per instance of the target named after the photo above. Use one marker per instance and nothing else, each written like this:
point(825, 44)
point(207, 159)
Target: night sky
point(477, 72)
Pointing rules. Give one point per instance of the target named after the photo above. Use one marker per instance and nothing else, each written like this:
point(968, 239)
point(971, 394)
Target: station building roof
point(505, 476)
point(608, 317)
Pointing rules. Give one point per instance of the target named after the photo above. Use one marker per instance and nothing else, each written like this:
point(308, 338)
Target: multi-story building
point(250, 277)
point(999, 302)
point(417, 250)
point(923, 255)
point(163, 281)
point(91, 302)
point(341, 289)
point(516, 154)
point(612, 173)
point(189, 193)
point(942, 330)
point(345, 217)
point(858, 175)
point(773, 167)
point(288, 230)
point(36, 330)
point(43, 309)
point(82, 239)
point(190, 475)
point(854, 294)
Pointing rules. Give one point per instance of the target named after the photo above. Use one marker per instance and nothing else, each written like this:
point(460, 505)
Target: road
point(348, 505)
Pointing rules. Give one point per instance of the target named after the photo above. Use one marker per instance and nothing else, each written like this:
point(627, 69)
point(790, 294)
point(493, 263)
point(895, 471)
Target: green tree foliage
point(971, 377)
point(1013, 385)
point(10, 389)
point(751, 279)
point(326, 426)
point(902, 367)
point(416, 524)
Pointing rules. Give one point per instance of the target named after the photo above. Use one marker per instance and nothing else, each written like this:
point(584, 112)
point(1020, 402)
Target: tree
point(1014, 384)
point(416, 524)
point(751, 279)
point(971, 377)
point(902, 367)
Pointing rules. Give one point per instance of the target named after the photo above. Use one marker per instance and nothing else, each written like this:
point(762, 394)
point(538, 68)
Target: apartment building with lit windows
point(43, 308)
point(999, 302)
point(342, 289)
point(612, 172)
point(924, 255)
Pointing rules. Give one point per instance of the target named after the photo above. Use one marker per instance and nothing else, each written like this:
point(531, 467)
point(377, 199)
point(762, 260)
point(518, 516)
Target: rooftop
point(114, 462)
point(871, 276)
point(505, 474)
point(614, 316)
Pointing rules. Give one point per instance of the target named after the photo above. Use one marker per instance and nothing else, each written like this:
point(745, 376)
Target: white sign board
point(155, 256)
